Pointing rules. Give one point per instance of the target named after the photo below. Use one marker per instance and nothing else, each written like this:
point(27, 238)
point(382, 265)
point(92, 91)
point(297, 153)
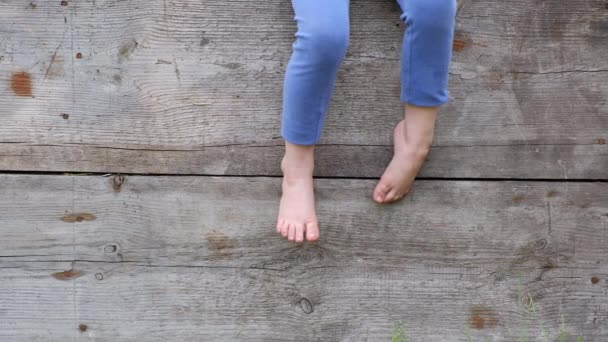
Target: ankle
point(292, 167)
point(298, 161)
point(296, 168)
point(420, 146)
point(419, 126)
point(418, 151)
point(417, 147)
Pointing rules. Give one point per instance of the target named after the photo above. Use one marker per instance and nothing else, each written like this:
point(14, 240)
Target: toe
point(391, 196)
point(279, 224)
point(312, 231)
point(398, 197)
point(299, 232)
point(380, 191)
point(291, 235)
point(285, 229)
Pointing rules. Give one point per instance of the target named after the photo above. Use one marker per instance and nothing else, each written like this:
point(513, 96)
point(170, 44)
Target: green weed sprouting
point(399, 334)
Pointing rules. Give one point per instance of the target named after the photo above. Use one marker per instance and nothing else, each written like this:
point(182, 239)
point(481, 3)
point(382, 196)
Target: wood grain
point(177, 84)
point(196, 258)
point(190, 91)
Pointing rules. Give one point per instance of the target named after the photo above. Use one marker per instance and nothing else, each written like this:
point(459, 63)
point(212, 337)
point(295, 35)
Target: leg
point(320, 46)
point(426, 55)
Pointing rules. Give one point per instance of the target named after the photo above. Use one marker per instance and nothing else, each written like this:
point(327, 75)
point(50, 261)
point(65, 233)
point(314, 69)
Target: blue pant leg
point(321, 42)
point(427, 50)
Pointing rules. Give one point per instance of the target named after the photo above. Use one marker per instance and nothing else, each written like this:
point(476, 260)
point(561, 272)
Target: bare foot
point(297, 218)
point(403, 168)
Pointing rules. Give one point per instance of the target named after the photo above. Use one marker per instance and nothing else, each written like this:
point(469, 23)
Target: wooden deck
point(140, 180)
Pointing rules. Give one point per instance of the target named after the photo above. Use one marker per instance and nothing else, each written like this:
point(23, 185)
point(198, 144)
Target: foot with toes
point(297, 219)
point(412, 138)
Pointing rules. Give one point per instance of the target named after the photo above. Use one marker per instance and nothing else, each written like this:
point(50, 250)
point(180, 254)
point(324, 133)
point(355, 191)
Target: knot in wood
point(110, 248)
point(539, 245)
point(117, 182)
point(526, 301)
point(498, 276)
point(306, 306)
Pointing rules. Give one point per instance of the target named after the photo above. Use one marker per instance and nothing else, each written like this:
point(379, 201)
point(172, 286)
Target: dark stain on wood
point(64, 3)
point(83, 327)
point(459, 44)
point(67, 275)
point(518, 198)
point(78, 217)
point(477, 322)
point(552, 193)
point(220, 245)
point(21, 84)
point(126, 49)
point(601, 141)
point(33, 5)
point(79, 55)
point(65, 115)
point(495, 80)
point(595, 280)
point(546, 266)
point(117, 78)
point(231, 66)
point(549, 265)
point(482, 317)
point(204, 41)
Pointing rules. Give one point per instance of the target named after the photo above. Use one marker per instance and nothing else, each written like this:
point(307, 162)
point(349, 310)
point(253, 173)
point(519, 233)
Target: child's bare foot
point(411, 146)
point(297, 217)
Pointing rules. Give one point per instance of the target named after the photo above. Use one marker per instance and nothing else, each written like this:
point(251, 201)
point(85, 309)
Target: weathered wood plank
point(354, 303)
point(196, 258)
point(158, 76)
point(509, 161)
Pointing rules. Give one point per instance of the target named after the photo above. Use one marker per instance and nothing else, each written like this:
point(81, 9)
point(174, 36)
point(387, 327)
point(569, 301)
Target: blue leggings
point(321, 42)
